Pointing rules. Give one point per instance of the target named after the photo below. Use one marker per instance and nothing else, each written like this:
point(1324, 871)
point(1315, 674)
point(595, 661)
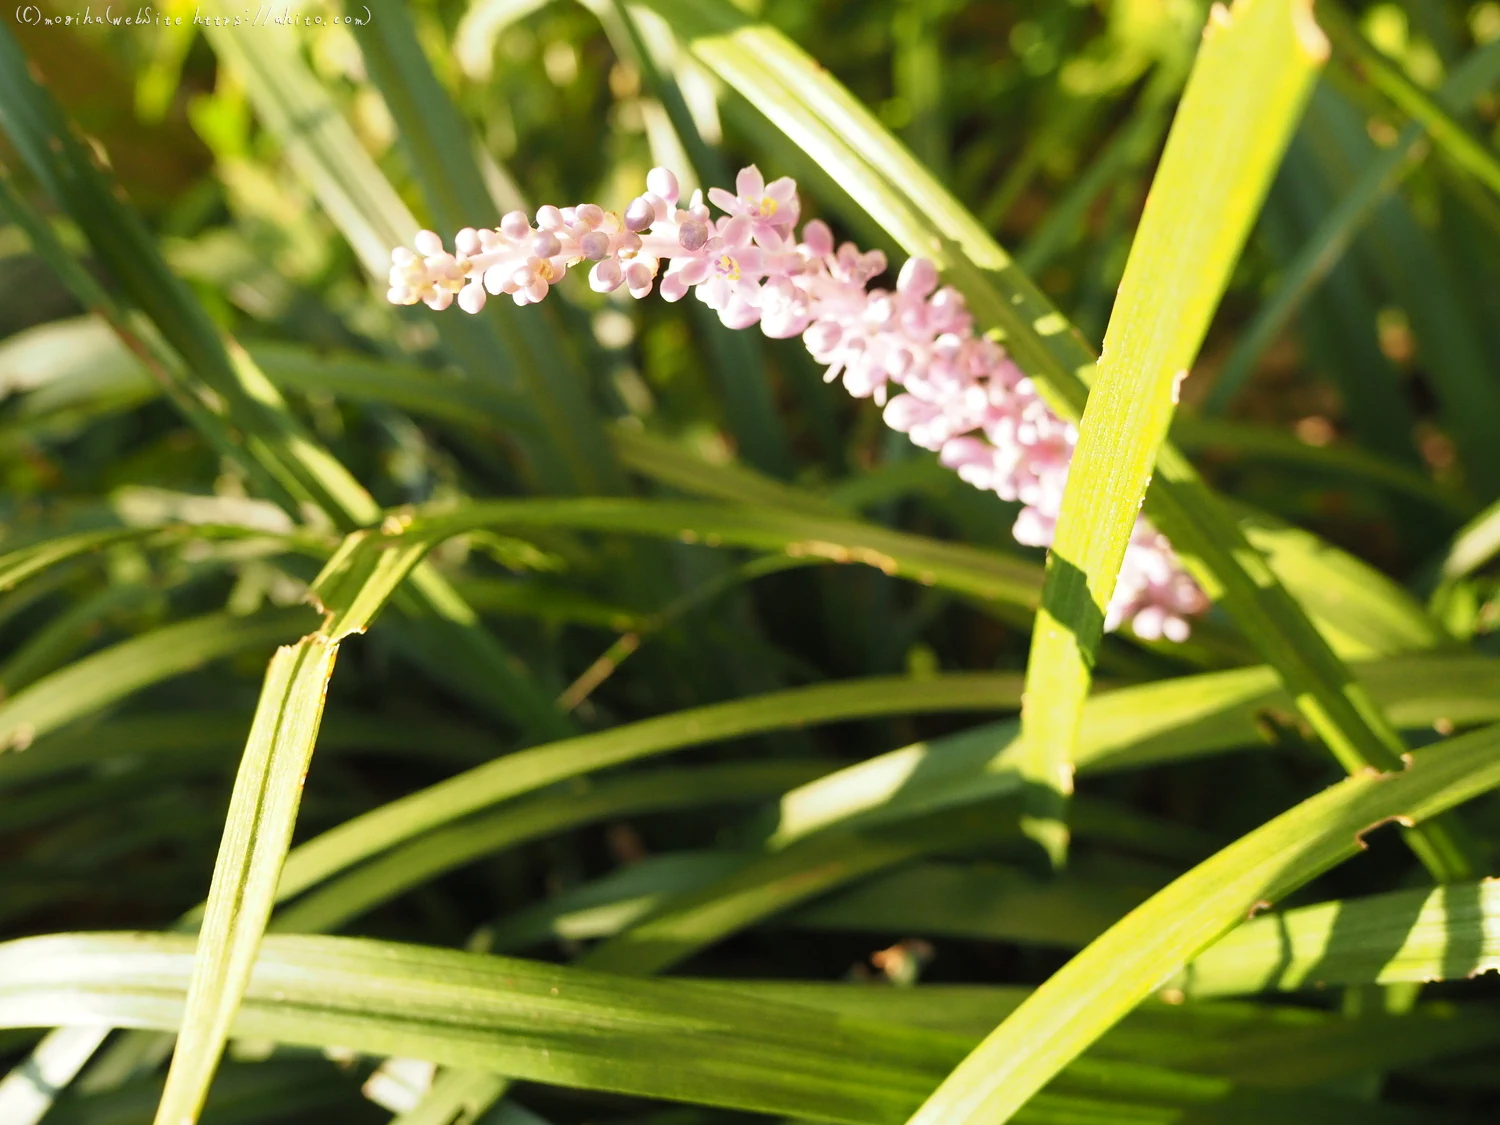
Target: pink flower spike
point(913, 349)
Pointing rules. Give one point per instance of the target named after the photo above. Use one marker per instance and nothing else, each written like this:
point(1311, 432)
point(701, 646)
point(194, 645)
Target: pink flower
point(772, 208)
point(913, 349)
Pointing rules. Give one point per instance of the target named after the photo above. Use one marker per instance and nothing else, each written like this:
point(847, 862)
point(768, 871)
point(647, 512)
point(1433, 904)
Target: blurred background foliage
point(1364, 407)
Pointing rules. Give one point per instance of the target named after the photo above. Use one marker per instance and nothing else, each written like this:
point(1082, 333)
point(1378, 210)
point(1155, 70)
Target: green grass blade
point(527, 770)
point(109, 675)
point(361, 575)
point(1119, 969)
point(887, 810)
point(569, 806)
point(822, 118)
point(1477, 542)
point(27, 562)
point(705, 1043)
point(1242, 102)
point(1447, 933)
point(1259, 1045)
point(257, 834)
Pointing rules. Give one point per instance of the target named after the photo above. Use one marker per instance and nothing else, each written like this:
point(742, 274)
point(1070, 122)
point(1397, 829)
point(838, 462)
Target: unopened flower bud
point(606, 276)
point(661, 182)
point(428, 243)
point(918, 277)
point(590, 215)
point(639, 276)
point(594, 246)
point(467, 242)
point(471, 297)
point(546, 244)
point(639, 215)
point(692, 234)
point(515, 226)
point(549, 217)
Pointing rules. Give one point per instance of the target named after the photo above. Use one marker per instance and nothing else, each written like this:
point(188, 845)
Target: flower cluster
point(956, 392)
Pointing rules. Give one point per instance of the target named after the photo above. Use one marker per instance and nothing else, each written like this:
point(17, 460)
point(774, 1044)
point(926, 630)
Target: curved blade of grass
point(1474, 546)
point(257, 834)
point(1259, 1045)
point(371, 564)
point(1447, 933)
point(109, 675)
point(1365, 613)
point(1361, 612)
point(1243, 98)
point(50, 646)
point(582, 802)
point(822, 118)
point(665, 1039)
point(25, 562)
point(697, 1042)
point(527, 770)
point(1089, 994)
point(609, 904)
point(1124, 729)
point(821, 836)
point(980, 900)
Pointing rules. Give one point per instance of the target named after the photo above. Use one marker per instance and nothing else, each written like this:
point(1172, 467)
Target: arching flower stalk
point(955, 392)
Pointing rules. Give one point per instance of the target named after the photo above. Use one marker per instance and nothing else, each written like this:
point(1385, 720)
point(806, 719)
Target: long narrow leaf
point(257, 834)
point(1242, 101)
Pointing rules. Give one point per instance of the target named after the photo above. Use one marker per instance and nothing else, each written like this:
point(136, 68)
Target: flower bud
point(639, 215)
point(428, 243)
point(515, 226)
point(606, 276)
point(471, 297)
point(590, 215)
point(692, 234)
point(918, 277)
point(660, 181)
point(549, 217)
point(639, 275)
point(594, 246)
point(545, 244)
point(467, 242)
